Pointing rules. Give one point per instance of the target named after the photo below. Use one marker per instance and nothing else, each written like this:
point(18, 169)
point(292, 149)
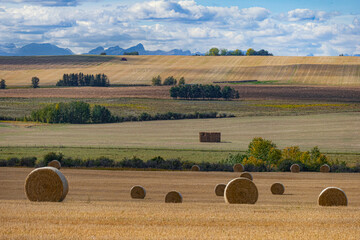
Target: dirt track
point(284, 92)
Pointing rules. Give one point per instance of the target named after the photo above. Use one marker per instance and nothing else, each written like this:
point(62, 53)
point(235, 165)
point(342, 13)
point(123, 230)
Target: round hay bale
point(195, 168)
point(295, 168)
point(173, 197)
point(46, 184)
point(55, 164)
point(332, 196)
point(238, 167)
point(325, 168)
point(277, 189)
point(247, 175)
point(241, 191)
point(138, 192)
point(219, 189)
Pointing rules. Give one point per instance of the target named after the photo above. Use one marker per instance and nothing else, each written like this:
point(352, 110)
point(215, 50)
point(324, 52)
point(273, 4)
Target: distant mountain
point(34, 49)
point(138, 48)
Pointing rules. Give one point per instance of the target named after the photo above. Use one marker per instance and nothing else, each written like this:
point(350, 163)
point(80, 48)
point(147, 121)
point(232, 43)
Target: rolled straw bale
point(277, 189)
point(238, 167)
point(295, 168)
point(219, 189)
point(325, 168)
point(195, 168)
point(55, 164)
point(173, 197)
point(46, 184)
point(332, 196)
point(138, 192)
point(241, 191)
point(247, 175)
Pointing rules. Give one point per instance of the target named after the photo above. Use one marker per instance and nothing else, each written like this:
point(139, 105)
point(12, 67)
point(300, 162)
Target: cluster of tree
point(2, 84)
point(80, 79)
point(73, 112)
point(169, 81)
point(197, 91)
point(131, 53)
point(265, 156)
point(224, 52)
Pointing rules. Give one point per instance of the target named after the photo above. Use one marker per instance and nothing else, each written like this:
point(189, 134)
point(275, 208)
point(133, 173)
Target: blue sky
point(295, 28)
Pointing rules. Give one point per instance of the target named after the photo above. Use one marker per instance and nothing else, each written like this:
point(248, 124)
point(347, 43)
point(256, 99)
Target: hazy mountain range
point(35, 49)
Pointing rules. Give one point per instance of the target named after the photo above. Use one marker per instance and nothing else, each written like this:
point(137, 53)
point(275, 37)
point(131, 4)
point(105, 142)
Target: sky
point(283, 27)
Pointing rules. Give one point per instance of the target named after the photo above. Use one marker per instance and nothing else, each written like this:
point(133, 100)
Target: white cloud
point(308, 14)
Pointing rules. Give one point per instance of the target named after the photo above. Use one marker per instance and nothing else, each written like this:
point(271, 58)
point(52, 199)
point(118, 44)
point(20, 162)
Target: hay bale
point(138, 192)
point(332, 196)
point(247, 175)
point(173, 197)
point(46, 184)
point(210, 137)
point(295, 168)
point(195, 168)
point(277, 189)
point(238, 167)
point(55, 164)
point(325, 168)
point(241, 191)
point(219, 189)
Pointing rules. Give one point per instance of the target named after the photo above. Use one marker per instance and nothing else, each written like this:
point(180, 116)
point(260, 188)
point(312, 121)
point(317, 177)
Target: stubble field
point(98, 206)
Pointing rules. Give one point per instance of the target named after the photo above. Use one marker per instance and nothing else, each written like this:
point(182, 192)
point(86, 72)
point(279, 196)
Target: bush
point(35, 82)
point(156, 81)
point(2, 84)
point(49, 157)
point(28, 161)
point(100, 114)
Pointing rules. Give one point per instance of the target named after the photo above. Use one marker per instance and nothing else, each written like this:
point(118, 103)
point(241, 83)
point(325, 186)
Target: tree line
point(169, 81)
point(197, 91)
point(224, 52)
point(80, 79)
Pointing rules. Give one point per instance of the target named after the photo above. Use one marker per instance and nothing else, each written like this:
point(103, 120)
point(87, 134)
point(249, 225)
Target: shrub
point(49, 157)
point(182, 81)
point(2, 84)
point(28, 161)
point(12, 162)
point(35, 82)
point(100, 114)
point(156, 81)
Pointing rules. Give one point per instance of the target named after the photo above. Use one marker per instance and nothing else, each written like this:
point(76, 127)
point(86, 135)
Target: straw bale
point(55, 164)
point(219, 189)
point(46, 184)
point(295, 168)
point(325, 168)
point(241, 191)
point(247, 175)
point(332, 196)
point(195, 168)
point(277, 189)
point(238, 167)
point(138, 192)
point(173, 197)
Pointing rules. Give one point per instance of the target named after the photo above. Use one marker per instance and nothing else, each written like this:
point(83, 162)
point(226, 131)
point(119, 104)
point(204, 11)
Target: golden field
point(196, 69)
point(98, 206)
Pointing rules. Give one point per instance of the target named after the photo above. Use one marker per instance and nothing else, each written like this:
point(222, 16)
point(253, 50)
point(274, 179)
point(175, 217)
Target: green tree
point(237, 52)
point(2, 84)
point(156, 81)
point(250, 52)
point(35, 82)
point(223, 52)
point(182, 81)
point(100, 114)
point(265, 150)
point(213, 52)
point(170, 81)
point(174, 92)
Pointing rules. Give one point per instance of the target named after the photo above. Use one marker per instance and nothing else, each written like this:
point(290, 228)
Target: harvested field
point(247, 92)
point(98, 205)
point(331, 132)
point(139, 69)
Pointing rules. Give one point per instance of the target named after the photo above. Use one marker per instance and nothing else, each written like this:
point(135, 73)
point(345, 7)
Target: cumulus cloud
point(307, 14)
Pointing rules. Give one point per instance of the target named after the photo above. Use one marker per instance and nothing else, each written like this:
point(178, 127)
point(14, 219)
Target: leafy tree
point(237, 52)
point(213, 52)
point(35, 82)
point(2, 84)
point(174, 92)
point(156, 81)
point(131, 53)
point(223, 52)
point(100, 114)
point(170, 81)
point(250, 52)
point(182, 81)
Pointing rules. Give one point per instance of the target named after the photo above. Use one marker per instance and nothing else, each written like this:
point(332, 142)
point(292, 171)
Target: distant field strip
point(331, 132)
point(196, 69)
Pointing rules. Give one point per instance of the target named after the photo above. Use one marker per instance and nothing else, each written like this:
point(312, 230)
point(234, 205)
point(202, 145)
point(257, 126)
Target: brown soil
point(282, 92)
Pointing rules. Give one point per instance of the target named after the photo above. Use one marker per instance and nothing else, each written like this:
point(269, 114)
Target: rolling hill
point(196, 69)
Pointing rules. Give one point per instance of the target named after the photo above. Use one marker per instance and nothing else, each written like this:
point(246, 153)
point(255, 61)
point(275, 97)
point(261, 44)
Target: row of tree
point(169, 81)
point(80, 79)
point(224, 52)
point(73, 112)
point(197, 91)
